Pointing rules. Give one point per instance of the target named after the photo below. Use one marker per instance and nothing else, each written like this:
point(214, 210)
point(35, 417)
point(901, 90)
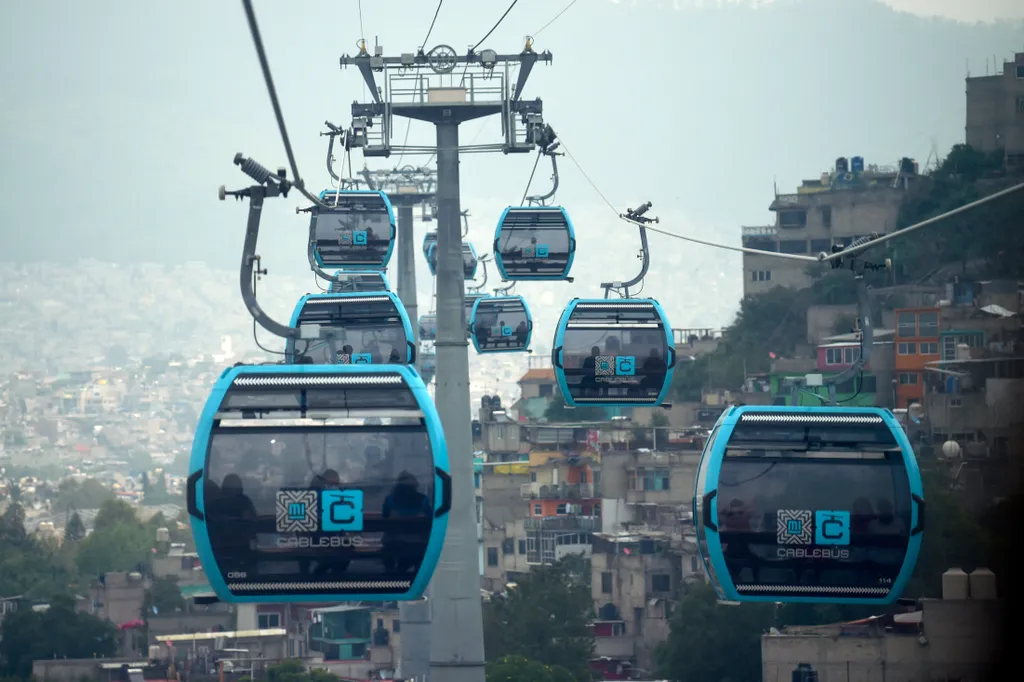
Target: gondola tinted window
point(832, 522)
point(358, 281)
point(368, 330)
point(612, 353)
point(534, 243)
point(357, 230)
point(285, 505)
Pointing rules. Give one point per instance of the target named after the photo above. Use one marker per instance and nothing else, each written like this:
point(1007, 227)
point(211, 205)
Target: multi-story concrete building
point(953, 638)
point(850, 201)
point(995, 111)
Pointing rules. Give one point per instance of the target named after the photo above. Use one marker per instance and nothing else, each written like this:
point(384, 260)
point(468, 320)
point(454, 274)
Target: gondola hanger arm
point(268, 185)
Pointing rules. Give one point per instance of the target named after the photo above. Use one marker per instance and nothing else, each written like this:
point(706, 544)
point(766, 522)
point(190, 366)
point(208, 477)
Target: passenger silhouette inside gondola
point(346, 355)
point(589, 367)
point(231, 519)
point(654, 369)
point(522, 331)
point(394, 358)
point(410, 511)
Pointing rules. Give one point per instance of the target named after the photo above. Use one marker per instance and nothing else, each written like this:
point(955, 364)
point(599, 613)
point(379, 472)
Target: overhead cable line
point(431, 29)
point(554, 19)
point(849, 251)
point(823, 258)
point(254, 29)
point(408, 122)
point(362, 33)
point(488, 35)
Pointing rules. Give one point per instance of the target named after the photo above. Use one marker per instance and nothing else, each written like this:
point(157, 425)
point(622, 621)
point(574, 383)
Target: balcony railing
point(583, 524)
point(759, 231)
point(558, 491)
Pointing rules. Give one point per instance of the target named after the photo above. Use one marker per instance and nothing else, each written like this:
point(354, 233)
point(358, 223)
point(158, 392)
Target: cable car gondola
point(356, 231)
point(613, 352)
point(428, 365)
point(469, 260)
point(428, 327)
point(429, 239)
point(809, 504)
point(304, 499)
point(468, 302)
point(534, 243)
point(500, 324)
point(356, 281)
point(371, 329)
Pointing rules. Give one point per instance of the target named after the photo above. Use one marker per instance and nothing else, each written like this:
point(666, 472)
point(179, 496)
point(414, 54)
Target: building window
point(533, 477)
point(538, 510)
point(906, 325)
point(508, 546)
point(956, 402)
point(760, 275)
point(821, 246)
point(546, 390)
point(1020, 71)
point(793, 246)
point(649, 480)
point(562, 509)
point(792, 218)
point(833, 356)
point(868, 384)
point(826, 216)
point(693, 564)
point(661, 582)
point(929, 348)
point(908, 378)
point(492, 556)
point(522, 546)
point(928, 325)
point(268, 621)
point(606, 583)
point(906, 348)
point(851, 355)
point(396, 626)
point(597, 509)
point(1020, 103)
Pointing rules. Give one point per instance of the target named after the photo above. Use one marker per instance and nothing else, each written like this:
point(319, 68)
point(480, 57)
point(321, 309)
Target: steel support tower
point(407, 188)
point(445, 89)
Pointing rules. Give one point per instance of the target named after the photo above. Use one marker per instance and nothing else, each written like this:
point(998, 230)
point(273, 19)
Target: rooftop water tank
point(983, 584)
point(842, 167)
point(955, 584)
point(857, 164)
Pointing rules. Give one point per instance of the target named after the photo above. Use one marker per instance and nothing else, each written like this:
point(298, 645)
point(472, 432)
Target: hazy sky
point(118, 119)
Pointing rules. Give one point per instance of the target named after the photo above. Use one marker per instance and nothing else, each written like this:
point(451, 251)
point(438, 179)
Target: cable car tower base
point(410, 90)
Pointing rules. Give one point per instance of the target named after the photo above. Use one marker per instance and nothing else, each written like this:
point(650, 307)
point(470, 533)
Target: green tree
point(74, 531)
point(659, 420)
point(520, 669)
point(546, 618)
point(119, 541)
point(58, 632)
point(89, 494)
point(163, 596)
point(293, 670)
point(12, 525)
point(712, 641)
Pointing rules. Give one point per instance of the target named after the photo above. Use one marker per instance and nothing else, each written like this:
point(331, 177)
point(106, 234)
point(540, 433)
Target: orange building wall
point(914, 363)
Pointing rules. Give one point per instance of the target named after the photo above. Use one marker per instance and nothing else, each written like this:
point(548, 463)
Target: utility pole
point(407, 187)
point(411, 91)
